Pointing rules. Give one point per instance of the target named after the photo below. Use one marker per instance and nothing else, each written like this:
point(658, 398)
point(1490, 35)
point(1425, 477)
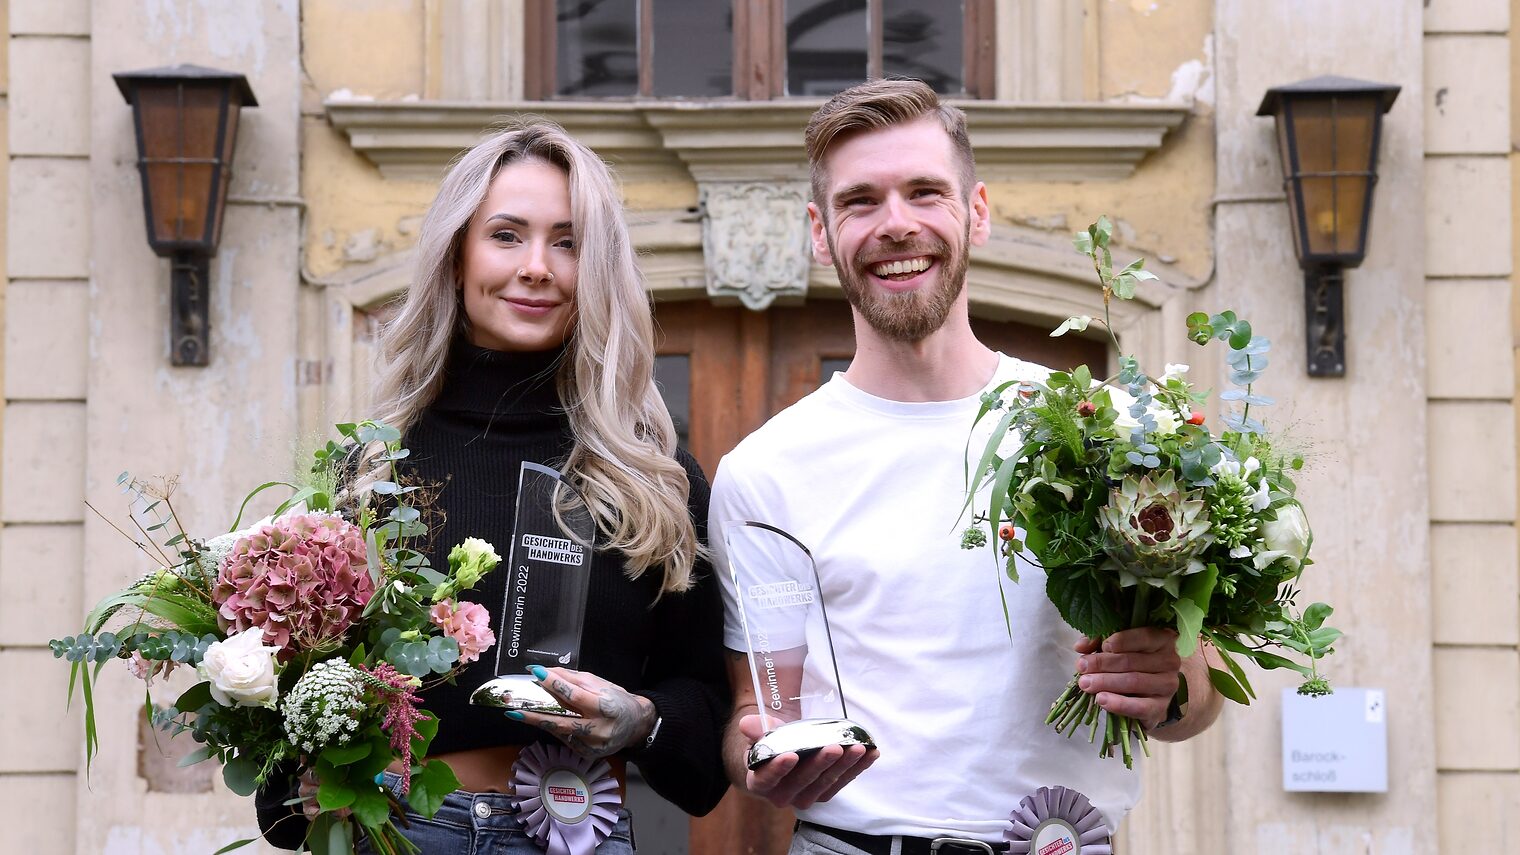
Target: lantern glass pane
point(179, 135)
point(1290, 169)
point(219, 204)
point(1334, 138)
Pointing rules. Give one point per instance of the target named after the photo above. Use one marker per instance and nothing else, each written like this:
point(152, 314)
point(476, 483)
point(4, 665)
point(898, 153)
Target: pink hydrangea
point(303, 579)
point(467, 623)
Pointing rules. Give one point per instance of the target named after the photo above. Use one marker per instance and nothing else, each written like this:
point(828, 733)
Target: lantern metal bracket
point(1324, 321)
point(189, 312)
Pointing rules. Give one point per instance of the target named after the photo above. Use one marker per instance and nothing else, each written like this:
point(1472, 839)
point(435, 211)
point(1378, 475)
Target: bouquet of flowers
point(1142, 516)
point(311, 632)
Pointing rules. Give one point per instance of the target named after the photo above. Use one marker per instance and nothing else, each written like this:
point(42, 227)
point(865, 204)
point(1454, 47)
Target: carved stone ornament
point(755, 240)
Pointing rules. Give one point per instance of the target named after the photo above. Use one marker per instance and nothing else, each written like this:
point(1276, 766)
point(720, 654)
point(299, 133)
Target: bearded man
point(869, 473)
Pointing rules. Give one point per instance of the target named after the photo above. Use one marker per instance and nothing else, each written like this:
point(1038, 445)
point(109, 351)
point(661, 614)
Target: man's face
point(899, 226)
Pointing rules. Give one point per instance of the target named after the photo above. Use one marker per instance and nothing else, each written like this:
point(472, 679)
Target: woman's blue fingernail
point(380, 778)
point(538, 672)
point(515, 715)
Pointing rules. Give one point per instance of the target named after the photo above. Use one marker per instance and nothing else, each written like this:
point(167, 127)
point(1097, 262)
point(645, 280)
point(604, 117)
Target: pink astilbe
point(401, 714)
point(303, 579)
point(467, 623)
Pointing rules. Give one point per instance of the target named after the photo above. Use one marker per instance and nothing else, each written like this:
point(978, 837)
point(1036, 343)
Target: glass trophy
point(549, 572)
point(791, 654)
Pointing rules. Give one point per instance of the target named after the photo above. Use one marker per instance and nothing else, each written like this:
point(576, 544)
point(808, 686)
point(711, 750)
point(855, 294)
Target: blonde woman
point(527, 336)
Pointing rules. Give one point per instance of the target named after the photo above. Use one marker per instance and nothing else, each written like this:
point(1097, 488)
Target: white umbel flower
point(324, 706)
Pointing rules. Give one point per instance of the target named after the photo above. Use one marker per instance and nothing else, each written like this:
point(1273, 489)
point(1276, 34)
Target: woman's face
point(518, 260)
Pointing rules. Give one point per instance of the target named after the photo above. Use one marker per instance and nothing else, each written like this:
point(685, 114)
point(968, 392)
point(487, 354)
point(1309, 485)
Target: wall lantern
point(186, 119)
point(1328, 130)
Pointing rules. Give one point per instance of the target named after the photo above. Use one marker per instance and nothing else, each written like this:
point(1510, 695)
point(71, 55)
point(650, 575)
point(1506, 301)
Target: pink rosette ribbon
point(567, 803)
point(1057, 821)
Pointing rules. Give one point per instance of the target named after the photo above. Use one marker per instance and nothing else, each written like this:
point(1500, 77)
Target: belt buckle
point(973, 845)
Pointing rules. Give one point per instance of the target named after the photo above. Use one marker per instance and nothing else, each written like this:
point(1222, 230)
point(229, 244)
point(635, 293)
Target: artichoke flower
point(1153, 532)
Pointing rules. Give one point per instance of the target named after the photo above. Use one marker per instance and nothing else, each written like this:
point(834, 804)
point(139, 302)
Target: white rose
point(1288, 536)
point(241, 670)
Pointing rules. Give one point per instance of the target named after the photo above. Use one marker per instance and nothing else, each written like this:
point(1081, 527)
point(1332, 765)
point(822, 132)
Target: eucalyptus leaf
point(241, 775)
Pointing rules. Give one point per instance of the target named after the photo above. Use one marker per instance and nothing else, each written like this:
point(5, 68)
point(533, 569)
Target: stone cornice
point(754, 140)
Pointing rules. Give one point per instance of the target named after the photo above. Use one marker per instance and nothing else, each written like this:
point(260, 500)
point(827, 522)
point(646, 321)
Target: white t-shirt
point(874, 489)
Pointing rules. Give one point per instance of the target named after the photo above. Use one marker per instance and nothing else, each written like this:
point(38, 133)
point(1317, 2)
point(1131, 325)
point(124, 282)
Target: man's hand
point(1135, 674)
point(788, 780)
point(611, 718)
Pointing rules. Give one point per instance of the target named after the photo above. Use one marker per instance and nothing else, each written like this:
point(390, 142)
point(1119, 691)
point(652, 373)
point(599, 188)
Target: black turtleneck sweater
point(494, 411)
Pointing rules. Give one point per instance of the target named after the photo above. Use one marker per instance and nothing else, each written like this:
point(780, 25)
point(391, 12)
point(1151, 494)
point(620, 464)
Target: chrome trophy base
point(518, 692)
point(806, 736)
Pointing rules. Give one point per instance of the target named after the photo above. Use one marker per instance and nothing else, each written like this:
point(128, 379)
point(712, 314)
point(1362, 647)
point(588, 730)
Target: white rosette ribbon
point(567, 803)
point(1057, 821)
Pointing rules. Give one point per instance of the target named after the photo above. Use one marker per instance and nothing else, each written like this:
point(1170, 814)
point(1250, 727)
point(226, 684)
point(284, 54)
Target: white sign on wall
point(1337, 743)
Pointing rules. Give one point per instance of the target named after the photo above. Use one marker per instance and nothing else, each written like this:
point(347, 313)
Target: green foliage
point(430, 784)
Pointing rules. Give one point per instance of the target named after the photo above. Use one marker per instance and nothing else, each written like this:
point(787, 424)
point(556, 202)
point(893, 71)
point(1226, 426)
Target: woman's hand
point(308, 793)
point(611, 717)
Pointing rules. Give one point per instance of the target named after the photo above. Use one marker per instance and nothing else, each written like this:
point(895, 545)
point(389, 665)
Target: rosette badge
point(786, 636)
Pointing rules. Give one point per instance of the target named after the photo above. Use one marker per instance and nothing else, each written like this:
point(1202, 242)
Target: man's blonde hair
point(878, 104)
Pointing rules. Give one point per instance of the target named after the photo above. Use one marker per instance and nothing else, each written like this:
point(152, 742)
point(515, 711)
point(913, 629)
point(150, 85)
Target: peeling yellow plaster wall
point(1149, 48)
point(352, 214)
point(372, 48)
point(1163, 210)
point(660, 197)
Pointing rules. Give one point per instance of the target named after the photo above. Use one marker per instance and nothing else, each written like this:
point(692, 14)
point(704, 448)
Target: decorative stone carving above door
point(755, 241)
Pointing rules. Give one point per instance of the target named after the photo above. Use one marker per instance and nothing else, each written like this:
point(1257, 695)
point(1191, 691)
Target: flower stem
point(1138, 613)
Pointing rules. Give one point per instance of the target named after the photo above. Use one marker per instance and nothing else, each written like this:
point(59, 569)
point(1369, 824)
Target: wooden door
point(724, 371)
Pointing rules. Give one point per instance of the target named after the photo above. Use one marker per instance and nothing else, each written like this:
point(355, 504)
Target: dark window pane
point(693, 48)
point(596, 48)
point(924, 40)
point(831, 365)
point(672, 374)
point(825, 45)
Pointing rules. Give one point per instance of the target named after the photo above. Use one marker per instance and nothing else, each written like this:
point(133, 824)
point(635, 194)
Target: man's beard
point(906, 316)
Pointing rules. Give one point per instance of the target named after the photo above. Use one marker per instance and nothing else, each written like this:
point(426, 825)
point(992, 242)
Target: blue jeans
point(486, 824)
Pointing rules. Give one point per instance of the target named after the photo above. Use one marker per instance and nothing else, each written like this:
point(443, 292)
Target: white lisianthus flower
point(1288, 537)
point(1237, 469)
point(1175, 371)
point(241, 670)
point(1261, 497)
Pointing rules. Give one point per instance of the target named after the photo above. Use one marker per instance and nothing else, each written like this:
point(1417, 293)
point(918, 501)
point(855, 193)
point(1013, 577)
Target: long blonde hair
point(623, 456)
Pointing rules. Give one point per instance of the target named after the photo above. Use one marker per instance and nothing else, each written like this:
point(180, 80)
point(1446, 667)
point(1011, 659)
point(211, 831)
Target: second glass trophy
point(791, 652)
point(549, 572)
